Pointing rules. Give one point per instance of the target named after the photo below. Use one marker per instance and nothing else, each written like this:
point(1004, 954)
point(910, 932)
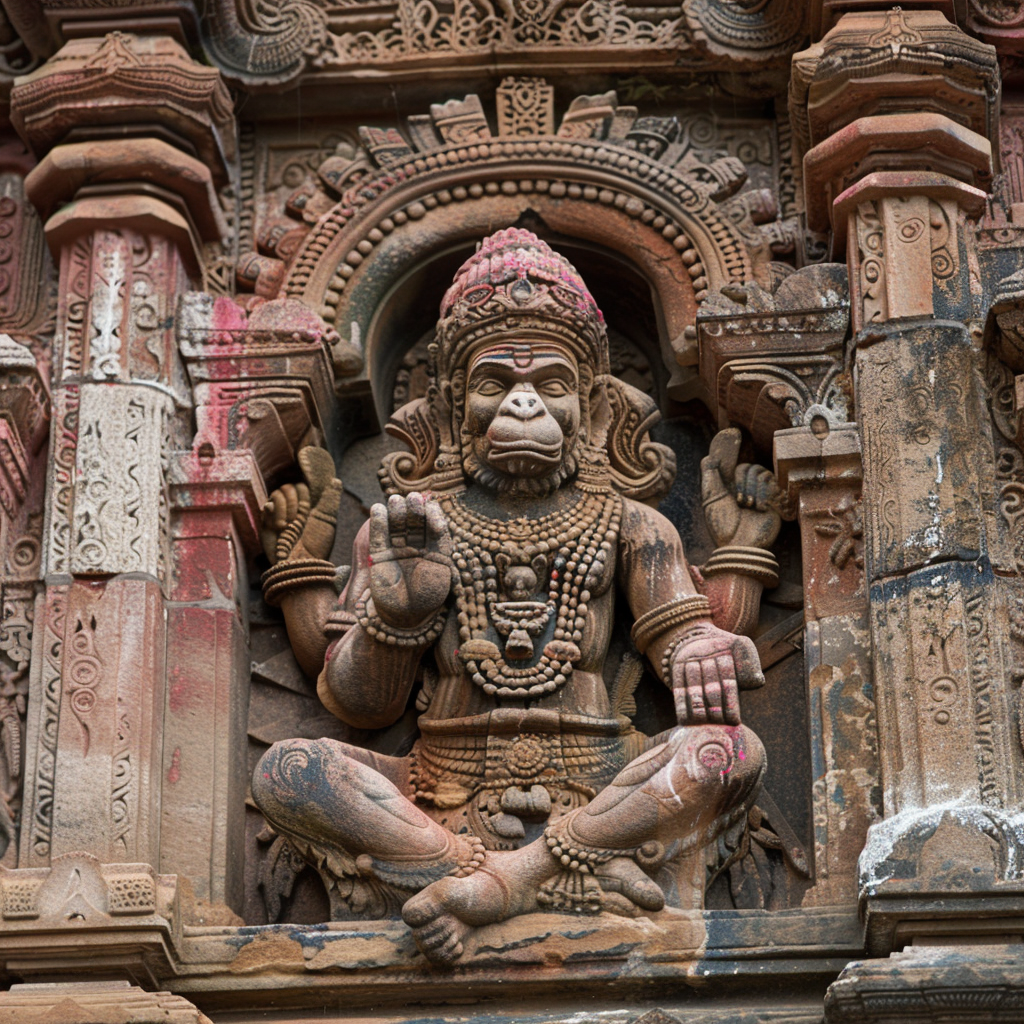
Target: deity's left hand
point(300, 520)
point(708, 668)
point(741, 501)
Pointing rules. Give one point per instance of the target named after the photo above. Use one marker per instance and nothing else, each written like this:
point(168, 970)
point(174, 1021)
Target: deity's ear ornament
point(640, 468)
point(432, 463)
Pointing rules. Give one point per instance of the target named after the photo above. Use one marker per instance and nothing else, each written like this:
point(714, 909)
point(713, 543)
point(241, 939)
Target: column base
point(81, 917)
point(947, 873)
point(99, 1002)
point(952, 985)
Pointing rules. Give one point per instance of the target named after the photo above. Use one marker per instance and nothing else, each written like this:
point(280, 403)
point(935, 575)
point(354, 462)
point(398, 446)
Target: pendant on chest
point(519, 617)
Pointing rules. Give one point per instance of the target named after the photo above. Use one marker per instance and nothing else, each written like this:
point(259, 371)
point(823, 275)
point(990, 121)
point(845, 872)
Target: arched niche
point(390, 223)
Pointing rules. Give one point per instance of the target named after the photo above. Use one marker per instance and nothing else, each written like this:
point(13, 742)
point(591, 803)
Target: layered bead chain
point(576, 544)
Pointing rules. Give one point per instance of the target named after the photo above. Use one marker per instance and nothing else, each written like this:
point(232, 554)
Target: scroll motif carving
point(17, 613)
point(51, 678)
point(105, 307)
point(263, 45)
point(74, 306)
point(84, 671)
point(870, 239)
point(117, 506)
point(66, 419)
point(23, 259)
point(121, 784)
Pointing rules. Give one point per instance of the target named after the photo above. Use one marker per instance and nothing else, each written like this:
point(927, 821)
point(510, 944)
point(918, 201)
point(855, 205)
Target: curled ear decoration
point(642, 469)
point(414, 425)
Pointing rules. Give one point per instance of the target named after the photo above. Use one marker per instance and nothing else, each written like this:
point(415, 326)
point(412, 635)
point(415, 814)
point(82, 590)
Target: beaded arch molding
point(371, 218)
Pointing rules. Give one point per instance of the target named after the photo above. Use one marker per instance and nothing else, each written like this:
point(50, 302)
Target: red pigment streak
point(174, 772)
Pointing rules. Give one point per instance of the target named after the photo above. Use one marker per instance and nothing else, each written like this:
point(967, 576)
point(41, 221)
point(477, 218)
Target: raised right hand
point(410, 560)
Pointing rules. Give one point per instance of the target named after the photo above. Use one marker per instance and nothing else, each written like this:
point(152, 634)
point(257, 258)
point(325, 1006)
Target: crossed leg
point(687, 788)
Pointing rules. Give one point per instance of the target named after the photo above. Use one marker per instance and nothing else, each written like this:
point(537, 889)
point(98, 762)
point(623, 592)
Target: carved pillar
point(216, 503)
point(26, 291)
point(901, 189)
point(126, 219)
point(263, 388)
point(795, 399)
point(819, 471)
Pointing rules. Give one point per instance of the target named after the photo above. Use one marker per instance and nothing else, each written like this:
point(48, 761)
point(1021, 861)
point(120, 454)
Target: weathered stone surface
point(224, 236)
point(98, 1002)
point(969, 983)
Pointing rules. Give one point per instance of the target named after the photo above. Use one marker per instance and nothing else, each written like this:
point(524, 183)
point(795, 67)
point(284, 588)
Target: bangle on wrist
point(338, 623)
point(665, 617)
point(743, 561)
point(287, 576)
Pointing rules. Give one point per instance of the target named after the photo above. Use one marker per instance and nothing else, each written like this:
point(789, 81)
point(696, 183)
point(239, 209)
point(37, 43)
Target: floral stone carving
point(495, 565)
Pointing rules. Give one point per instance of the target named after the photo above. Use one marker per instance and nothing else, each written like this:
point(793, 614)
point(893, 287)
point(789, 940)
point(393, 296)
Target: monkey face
point(522, 415)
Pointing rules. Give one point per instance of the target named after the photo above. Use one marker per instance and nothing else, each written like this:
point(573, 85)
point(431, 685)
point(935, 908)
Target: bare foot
point(626, 877)
point(445, 912)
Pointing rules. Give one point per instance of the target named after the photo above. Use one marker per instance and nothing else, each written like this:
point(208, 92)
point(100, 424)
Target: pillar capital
point(893, 62)
point(103, 87)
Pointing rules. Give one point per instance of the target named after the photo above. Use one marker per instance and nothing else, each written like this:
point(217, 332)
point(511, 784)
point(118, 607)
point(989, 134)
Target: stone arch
point(635, 189)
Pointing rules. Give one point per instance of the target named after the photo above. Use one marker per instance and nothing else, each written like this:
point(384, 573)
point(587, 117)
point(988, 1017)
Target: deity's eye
point(556, 388)
point(488, 387)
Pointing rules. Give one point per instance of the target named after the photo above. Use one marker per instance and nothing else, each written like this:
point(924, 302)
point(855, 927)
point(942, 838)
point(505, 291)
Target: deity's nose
point(524, 405)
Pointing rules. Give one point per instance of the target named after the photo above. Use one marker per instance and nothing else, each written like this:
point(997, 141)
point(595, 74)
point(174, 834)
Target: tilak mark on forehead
point(522, 354)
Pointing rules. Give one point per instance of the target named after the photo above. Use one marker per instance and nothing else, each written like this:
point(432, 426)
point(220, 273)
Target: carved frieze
point(890, 628)
point(266, 47)
point(660, 185)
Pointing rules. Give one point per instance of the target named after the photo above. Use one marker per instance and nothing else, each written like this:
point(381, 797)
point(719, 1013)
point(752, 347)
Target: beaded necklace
point(574, 545)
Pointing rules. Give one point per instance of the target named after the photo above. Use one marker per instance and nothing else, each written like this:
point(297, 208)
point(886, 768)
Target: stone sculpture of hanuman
point(492, 575)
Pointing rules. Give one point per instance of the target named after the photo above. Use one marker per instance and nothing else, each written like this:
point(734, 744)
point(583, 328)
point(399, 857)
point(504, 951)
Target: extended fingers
point(378, 529)
point(398, 518)
point(437, 528)
point(415, 523)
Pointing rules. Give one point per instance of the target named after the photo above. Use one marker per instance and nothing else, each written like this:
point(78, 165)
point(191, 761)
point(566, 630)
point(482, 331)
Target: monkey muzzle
point(524, 438)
